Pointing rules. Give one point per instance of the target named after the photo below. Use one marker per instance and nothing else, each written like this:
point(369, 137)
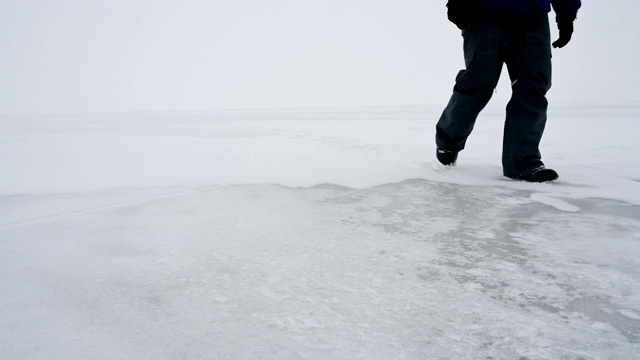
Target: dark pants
point(523, 43)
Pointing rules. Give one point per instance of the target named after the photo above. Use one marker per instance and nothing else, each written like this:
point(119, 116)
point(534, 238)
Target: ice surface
point(315, 234)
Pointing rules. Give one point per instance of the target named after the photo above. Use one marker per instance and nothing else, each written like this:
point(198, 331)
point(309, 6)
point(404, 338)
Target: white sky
point(113, 55)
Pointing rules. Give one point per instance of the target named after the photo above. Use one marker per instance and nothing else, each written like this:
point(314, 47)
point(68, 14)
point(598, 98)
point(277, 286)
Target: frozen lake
point(315, 234)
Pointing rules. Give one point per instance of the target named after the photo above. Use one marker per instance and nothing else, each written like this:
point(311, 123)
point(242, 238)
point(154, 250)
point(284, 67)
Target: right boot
point(445, 157)
point(540, 175)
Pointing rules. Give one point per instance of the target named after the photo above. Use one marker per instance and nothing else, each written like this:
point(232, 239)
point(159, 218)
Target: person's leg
point(484, 53)
point(529, 64)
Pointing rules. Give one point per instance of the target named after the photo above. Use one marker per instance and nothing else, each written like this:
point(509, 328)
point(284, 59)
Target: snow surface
point(315, 234)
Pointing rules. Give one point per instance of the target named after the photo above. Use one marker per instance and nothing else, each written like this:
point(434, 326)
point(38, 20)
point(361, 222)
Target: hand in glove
point(459, 13)
point(565, 26)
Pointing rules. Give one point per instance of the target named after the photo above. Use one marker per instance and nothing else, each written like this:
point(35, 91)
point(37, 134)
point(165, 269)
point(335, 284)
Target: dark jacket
point(563, 8)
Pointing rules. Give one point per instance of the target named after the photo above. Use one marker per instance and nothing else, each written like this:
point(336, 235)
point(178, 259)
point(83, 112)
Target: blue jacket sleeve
point(566, 9)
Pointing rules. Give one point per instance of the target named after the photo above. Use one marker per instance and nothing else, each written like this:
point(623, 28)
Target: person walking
point(515, 33)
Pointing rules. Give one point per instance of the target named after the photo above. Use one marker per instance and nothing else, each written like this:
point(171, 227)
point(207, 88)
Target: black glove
point(565, 26)
point(459, 13)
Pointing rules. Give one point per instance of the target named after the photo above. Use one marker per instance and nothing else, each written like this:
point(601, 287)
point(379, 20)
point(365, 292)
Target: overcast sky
point(111, 55)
